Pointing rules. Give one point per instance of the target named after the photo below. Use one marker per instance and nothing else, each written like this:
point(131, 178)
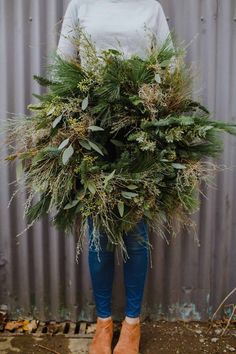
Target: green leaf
point(117, 142)
point(165, 63)
point(71, 205)
point(10, 157)
point(121, 208)
point(112, 51)
point(208, 127)
point(91, 187)
point(108, 178)
point(95, 128)
point(132, 186)
point(80, 195)
point(56, 121)
point(84, 103)
point(79, 207)
point(67, 154)
point(178, 166)
point(40, 97)
point(95, 147)
point(128, 195)
point(51, 111)
point(63, 144)
point(148, 214)
point(35, 107)
point(85, 144)
point(158, 78)
point(185, 120)
point(42, 80)
point(39, 209)
point(19, 170)
point(136, 100)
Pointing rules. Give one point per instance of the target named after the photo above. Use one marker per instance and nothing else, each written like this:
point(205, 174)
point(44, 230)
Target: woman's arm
point(163, 30)
point(65, 46)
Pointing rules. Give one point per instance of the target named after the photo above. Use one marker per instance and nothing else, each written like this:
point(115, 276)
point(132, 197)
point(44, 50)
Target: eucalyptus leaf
point(165, 63)
point(68, 152)
point(128, 195)
point(95, 128)
point(178, 166)
point(56, 121)
point(80, 195)
point(63, 144)
point(117, 142)
point(132, 186)
point(158, 78)
point(71, 205)
point(121, 207)
point(51, 111)
point(91, 187)
point(85, 103)
point(108, 178)
point(85, 144)
point(95, 147)
point(79, 207)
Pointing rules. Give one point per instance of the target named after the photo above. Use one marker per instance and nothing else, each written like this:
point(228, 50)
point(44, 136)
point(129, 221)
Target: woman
point(126, 25)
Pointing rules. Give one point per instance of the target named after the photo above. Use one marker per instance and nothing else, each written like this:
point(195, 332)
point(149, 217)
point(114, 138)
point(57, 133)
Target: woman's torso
point(127, 25)
point(120, 24)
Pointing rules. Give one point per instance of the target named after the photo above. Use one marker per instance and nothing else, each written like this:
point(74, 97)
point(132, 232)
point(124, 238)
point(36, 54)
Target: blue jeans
point(135, 270)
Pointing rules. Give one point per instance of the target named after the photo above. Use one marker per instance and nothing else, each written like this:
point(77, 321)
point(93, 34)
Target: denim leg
point(135, 268)
point(102, 273)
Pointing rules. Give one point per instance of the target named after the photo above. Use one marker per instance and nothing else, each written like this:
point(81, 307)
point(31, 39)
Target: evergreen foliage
point(117, 140)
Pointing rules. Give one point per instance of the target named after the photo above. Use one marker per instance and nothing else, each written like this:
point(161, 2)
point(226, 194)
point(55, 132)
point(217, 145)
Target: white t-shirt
point(127, 25)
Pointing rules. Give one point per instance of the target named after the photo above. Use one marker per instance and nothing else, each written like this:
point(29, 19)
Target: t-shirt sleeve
point(65, 47)
point(162, 30)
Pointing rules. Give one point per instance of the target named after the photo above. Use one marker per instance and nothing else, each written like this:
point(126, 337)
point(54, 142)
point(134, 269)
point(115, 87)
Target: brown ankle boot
point(129, 339)
point(101, 343)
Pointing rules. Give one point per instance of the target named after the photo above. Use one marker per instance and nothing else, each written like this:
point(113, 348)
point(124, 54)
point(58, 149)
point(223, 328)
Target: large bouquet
point(116, 140)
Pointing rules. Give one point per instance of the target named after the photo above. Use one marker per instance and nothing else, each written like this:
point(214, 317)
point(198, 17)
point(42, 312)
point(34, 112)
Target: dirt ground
point(157, 337)
point(186, 338)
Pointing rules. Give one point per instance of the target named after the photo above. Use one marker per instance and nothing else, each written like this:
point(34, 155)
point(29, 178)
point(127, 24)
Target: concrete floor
point(28, 344)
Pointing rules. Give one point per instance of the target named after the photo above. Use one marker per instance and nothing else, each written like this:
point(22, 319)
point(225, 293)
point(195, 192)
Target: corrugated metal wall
point(38, 273)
